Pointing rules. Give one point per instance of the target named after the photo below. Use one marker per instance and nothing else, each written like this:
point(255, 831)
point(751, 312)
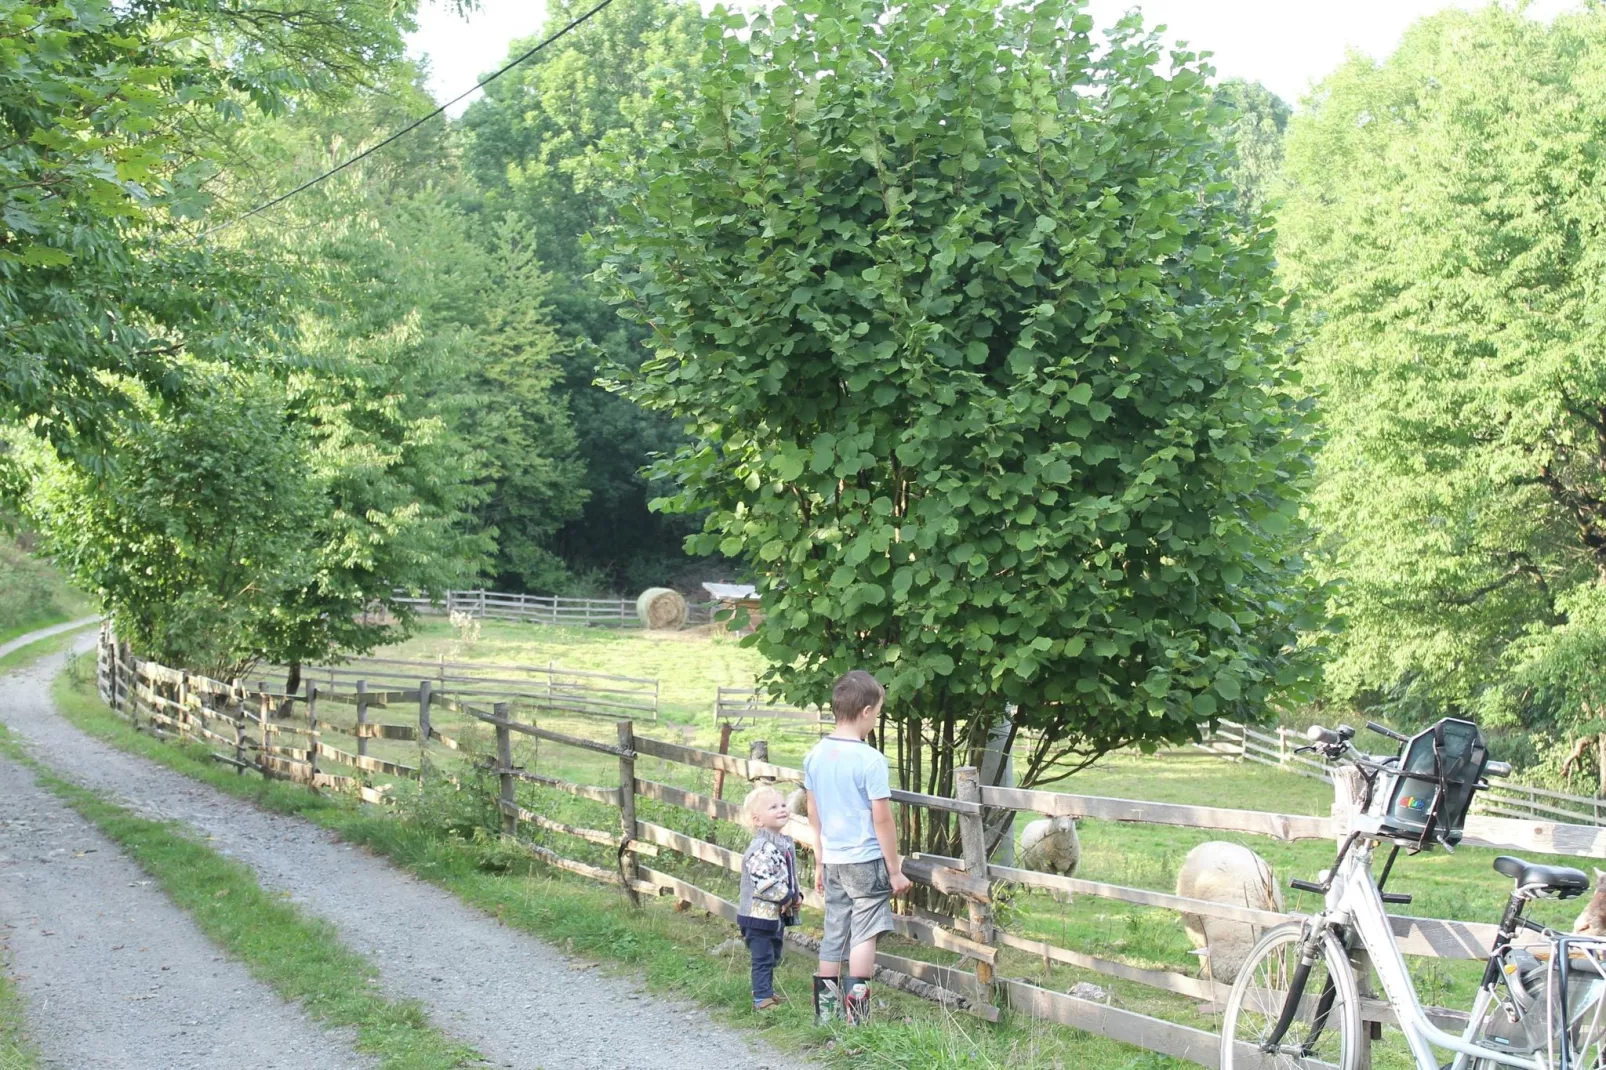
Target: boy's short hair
point(853, 693)
point(756, 796)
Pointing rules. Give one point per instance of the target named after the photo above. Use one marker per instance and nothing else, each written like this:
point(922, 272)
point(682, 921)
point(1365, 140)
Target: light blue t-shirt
point(844, 775)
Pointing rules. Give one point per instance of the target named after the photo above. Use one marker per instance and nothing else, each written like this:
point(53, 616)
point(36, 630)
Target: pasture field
point(1460, 886)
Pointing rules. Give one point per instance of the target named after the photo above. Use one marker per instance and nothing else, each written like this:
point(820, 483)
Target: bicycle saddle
point(1565, 882)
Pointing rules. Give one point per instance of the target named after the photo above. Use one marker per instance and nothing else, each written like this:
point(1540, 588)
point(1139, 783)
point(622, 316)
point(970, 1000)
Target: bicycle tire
point(1256, 1002)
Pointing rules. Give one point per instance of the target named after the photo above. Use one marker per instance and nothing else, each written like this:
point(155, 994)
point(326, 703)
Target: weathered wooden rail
point(546, 688)
point(238, 723)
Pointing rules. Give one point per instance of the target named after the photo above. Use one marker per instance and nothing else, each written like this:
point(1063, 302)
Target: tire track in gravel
point(518, 1000)
point(112, 975)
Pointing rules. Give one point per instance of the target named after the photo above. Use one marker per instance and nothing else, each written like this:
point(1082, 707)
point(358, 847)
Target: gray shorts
point(858, 906)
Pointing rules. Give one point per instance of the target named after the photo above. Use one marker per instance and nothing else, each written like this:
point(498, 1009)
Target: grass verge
point(670, 949)
point(300, 958)
point(15, 1051)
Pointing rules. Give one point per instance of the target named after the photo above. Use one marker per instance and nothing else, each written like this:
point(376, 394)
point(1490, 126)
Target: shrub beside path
point(519, 1001)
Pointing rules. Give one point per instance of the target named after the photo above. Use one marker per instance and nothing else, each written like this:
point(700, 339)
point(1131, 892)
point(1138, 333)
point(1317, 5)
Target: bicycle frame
point(1354, 902)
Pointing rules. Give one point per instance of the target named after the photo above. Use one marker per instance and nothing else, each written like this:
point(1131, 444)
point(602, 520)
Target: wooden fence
point(1239, 742)
point(546, 609)
point(635, 853)
point(549, 687)
point(735, 705)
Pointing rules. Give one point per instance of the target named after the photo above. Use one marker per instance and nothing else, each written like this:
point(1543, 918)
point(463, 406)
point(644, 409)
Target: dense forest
point(571, 342)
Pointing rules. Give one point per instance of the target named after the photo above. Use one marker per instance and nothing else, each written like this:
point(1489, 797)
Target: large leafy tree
point(984, 370)
point(532, 144)
point(113, 117)
point(1443, 222)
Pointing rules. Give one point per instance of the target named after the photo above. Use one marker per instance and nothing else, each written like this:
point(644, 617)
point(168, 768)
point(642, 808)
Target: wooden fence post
point(424, 687)
point(627, 809)
point(312, 727)
point(238, 696)
point(504, 762)
point(362, 717)
point(264, 713)
point(724, 748)
point(182, 697)
point(973, 843)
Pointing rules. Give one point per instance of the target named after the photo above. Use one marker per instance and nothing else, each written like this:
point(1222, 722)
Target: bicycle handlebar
point(1385, 730)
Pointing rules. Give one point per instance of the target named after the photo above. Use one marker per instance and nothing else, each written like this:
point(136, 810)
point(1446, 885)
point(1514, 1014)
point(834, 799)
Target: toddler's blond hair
point(756, 796)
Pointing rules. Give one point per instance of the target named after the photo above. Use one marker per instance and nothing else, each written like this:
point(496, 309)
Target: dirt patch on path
point(112, 974)
point(519, 1001)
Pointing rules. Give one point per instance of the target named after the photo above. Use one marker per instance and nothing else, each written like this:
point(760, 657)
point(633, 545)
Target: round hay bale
point(661, 609)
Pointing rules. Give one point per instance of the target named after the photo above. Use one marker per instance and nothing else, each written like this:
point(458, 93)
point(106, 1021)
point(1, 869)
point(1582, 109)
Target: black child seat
point(1565, 882)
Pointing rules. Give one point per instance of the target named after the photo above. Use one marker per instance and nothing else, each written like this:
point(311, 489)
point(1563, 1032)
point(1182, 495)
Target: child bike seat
point(1565, 882)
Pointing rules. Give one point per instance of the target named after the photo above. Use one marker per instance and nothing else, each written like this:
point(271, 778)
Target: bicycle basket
point(1428, 797)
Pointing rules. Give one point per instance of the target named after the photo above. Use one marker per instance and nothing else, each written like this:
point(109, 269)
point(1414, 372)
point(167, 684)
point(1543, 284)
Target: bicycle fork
point(1309, 951)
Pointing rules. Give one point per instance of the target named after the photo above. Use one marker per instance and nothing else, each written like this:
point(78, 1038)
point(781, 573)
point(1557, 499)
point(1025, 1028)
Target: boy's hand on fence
point(900, 883)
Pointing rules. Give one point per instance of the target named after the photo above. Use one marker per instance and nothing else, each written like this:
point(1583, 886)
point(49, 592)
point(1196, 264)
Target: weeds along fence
point(1239, 742)
point(648, 838)
point(545, 609)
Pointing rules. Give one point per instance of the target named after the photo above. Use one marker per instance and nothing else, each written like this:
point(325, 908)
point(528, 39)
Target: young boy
point(856, 847)
point(770, 892)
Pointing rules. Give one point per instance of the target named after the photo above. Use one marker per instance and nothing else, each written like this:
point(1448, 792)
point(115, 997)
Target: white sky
point(1287, 44)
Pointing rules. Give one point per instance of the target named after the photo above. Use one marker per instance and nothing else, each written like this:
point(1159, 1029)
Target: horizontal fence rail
point(545, 609)
point(546, 688)
point(635, 852)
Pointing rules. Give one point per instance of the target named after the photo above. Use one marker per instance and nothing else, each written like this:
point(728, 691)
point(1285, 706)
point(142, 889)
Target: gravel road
point(518, 1000)
point(111, 974)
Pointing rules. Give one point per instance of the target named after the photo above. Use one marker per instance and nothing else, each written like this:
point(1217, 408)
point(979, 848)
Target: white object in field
point(798, 802)
point(1226, 873)
point(731, 592)
point(1050, 845)
point(1592, 920)
point(661, 608)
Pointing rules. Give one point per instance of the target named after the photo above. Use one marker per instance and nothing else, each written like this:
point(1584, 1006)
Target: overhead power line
point(404, 131)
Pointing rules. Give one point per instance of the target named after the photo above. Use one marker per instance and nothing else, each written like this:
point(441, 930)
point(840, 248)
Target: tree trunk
point(292, 686)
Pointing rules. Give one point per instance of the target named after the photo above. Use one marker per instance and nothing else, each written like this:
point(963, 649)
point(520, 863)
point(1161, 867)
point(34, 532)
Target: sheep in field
point(1226, 873)
point(1592, 920)
point(1050, 844)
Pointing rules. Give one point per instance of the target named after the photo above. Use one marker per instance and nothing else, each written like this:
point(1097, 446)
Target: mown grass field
point(1462, 886)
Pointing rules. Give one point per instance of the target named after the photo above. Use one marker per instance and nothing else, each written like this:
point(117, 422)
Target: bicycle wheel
point(1325, 1030)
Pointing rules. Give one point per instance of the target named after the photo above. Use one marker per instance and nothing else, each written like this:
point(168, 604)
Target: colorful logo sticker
point(1414, 802)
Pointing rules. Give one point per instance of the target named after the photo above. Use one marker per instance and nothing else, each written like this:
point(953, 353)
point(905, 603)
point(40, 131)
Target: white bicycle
point(1295, 1004)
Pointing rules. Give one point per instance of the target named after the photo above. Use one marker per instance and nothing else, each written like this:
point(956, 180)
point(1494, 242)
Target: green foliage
point(1442, 221)
point(984, 370)
point(1256, 120)
point(519, 419)
point(114, 118)
point(190, 541)
point(532, 144)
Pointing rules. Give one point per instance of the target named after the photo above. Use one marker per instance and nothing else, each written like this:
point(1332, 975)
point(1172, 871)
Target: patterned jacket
point(769, 883)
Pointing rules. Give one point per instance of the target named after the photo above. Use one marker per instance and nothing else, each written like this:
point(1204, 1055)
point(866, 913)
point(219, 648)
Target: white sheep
point(1226, 873)
point(1050, 844)
point(798, 802)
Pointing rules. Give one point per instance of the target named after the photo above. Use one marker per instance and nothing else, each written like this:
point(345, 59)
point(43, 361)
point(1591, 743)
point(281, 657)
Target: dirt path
point(518, 1000)
point(113, 975)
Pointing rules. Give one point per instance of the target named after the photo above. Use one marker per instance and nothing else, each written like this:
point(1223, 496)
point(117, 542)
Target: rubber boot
point(827, 1000)
point(856, 1000)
